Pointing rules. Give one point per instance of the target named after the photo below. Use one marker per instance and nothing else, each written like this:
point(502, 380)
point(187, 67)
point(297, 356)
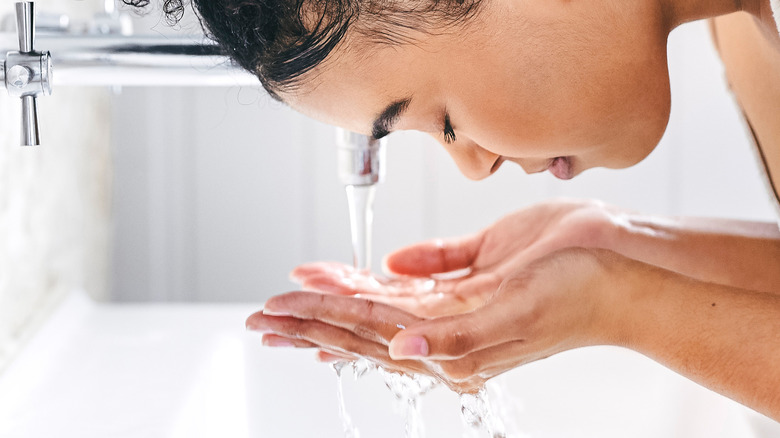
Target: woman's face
point(548, 84)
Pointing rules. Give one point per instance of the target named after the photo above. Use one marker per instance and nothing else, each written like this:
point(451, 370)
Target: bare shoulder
point(750, 50)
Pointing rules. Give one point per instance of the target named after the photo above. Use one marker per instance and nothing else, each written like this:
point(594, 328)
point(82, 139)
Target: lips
point(561, 168)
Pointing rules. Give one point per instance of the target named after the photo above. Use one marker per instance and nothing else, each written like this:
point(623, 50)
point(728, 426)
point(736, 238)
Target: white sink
point(152, 370)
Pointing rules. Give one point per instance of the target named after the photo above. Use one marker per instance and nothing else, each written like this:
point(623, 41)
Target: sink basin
point(191, 370)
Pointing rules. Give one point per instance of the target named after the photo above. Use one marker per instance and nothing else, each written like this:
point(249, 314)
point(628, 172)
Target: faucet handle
point(25, 26)
point(30, 135)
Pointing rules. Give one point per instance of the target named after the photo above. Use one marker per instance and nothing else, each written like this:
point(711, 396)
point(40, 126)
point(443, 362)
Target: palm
point(478, 263)
point(548, 306)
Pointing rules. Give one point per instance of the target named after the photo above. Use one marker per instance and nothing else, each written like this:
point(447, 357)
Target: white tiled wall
point(220, 192)
point(54, 201)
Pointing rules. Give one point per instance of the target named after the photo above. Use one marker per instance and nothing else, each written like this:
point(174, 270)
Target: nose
point(473, 161)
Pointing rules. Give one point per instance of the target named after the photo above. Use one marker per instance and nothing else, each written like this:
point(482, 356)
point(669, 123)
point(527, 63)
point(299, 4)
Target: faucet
point(361, 166)
point(361, 158)
point(106, 55)
point(109, 54)
point(26, 73)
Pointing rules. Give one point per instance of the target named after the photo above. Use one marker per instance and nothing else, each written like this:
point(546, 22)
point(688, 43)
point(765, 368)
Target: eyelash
point(449, 131)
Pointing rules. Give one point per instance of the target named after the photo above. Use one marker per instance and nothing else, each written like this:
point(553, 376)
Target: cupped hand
point(562, 301)
point(483, 260)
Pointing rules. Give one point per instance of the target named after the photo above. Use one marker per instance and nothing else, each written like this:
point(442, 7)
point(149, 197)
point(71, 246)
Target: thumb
point(434, 256)
point(452, 337)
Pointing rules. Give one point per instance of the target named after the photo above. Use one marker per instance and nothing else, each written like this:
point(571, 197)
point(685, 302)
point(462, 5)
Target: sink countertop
point(191, 370)
point(129, 370)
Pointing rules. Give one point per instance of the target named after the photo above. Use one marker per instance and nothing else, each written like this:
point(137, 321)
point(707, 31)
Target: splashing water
point(408, 389)
point(350, 431)
point(477, 413)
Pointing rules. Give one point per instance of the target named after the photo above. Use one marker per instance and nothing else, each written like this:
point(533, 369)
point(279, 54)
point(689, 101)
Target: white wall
point(220, 192)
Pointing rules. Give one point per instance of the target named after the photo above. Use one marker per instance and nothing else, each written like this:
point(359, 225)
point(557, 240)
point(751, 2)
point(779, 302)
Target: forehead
point(360, 79)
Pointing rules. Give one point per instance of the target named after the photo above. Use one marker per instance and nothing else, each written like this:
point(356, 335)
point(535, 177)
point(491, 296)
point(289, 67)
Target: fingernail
point(409, 347)
point(294, 277)
point(277, 343)
point(322, 286)
point(258, 329)
point(275, 312)
point(385, 269)
point(255, 323)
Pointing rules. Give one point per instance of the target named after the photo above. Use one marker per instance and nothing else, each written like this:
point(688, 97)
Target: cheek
point(639, 118)
point(611, 110)
point(544, 132)
point(618, 130)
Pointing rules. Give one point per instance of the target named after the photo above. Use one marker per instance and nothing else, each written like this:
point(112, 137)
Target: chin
point(640, 139)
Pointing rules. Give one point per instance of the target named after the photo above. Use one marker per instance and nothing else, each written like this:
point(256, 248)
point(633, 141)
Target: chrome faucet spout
point(361, 159)
point(361, 165)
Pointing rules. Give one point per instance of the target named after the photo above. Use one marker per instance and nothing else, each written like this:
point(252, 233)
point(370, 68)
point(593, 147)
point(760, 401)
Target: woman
point(550, 85)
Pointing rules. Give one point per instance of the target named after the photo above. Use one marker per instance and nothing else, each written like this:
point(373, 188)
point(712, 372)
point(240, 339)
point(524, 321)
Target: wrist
point(603, 226)
point(629, 233)
point(624, 285)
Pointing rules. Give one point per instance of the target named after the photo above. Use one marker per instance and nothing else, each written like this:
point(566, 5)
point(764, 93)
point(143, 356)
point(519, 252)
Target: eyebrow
point(384, 122)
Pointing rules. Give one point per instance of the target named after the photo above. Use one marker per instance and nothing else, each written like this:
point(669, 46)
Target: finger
point(352, 283)
point(304, 271)
point(334, 340)
point(318, 333)
point(274, 340)
point(444, 297)
point(435, 256)
point(374, 321)
point(456, 336)
point(329, 284)
point(332, 356)
point(370, 285)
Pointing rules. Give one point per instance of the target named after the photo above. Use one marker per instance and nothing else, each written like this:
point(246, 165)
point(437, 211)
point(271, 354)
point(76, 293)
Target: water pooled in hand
point(360, 200)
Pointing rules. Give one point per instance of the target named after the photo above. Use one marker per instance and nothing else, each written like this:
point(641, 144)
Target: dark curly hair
point(281, 40)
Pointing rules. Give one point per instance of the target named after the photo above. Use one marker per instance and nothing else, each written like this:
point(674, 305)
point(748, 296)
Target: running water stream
point(407, 389)
point(360, 200)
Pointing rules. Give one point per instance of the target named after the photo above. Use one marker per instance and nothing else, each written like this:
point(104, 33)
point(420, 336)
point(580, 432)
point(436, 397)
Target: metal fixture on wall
point(27, 73)
point(103, 53)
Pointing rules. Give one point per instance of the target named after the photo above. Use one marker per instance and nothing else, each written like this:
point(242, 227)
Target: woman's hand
point(562, 301)
point(484, 259)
